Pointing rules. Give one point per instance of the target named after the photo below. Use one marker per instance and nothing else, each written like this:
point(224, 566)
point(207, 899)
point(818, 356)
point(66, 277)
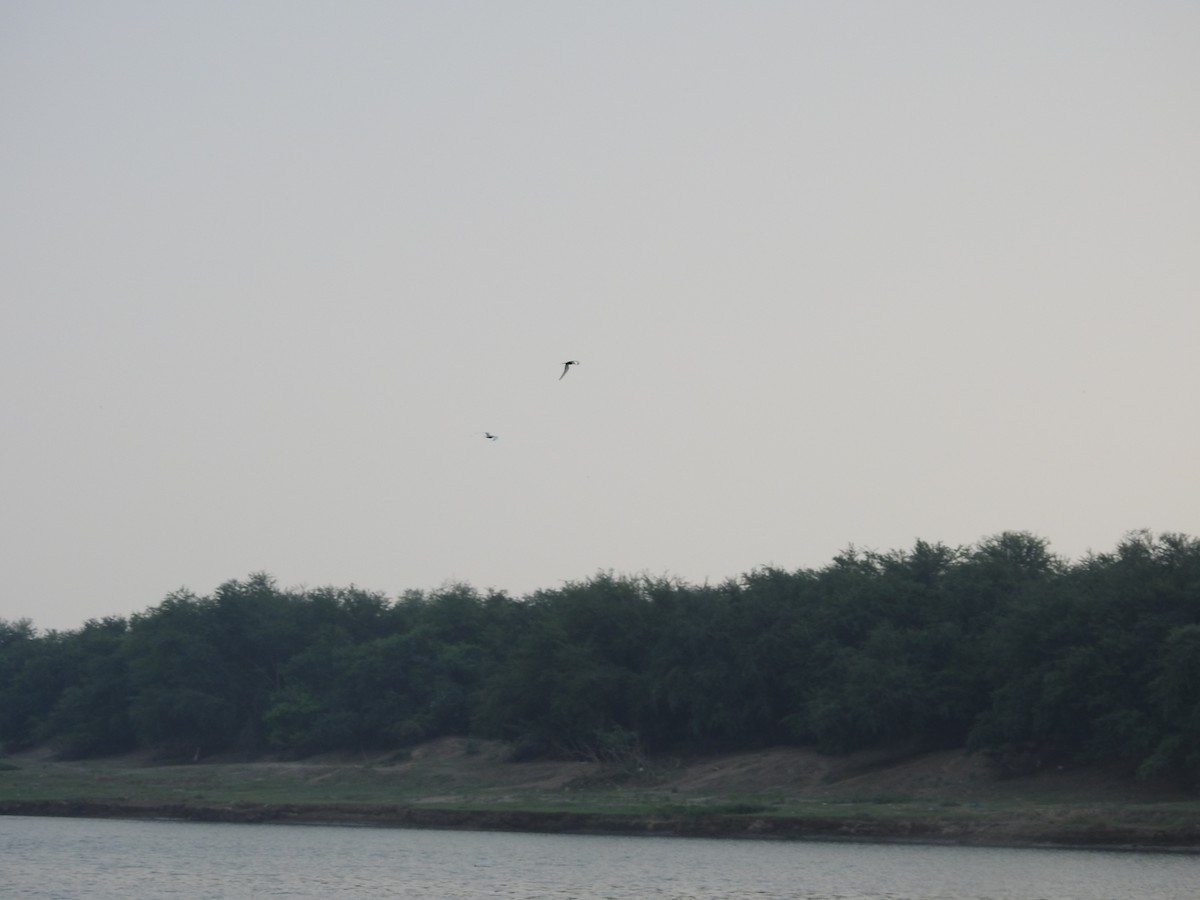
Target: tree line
point(1000, 647)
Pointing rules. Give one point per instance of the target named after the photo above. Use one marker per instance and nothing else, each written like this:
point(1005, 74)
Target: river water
point(105, 859)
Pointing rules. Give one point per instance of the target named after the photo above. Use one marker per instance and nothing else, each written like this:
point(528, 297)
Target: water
point(102, 859)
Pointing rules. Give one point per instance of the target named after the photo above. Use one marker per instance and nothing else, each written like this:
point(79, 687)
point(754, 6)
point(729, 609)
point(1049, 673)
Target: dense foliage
point(1000, 647)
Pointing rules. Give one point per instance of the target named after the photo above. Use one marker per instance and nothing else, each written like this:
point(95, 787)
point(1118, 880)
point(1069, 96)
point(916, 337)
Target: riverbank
point(780, 793)
point(922, 830)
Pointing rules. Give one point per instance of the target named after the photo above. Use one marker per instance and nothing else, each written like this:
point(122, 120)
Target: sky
point(853, 273)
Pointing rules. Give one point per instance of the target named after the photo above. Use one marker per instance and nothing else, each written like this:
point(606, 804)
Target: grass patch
point(436, 783)
point(732, 808)
point(879, 799)
point(395, 759)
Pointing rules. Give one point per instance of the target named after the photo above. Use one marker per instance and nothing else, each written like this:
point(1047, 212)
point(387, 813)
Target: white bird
point(567, 367)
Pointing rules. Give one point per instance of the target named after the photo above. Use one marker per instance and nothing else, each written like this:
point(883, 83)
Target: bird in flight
point(490, 436)
point(567, 367)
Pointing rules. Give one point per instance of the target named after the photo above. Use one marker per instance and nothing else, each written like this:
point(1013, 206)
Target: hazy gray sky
point(844, 272)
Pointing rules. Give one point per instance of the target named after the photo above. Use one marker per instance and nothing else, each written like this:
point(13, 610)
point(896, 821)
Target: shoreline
point(933, 830)
point(780, 793)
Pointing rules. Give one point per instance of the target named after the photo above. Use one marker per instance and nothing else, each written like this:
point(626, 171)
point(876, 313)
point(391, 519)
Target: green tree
point(91, 716)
